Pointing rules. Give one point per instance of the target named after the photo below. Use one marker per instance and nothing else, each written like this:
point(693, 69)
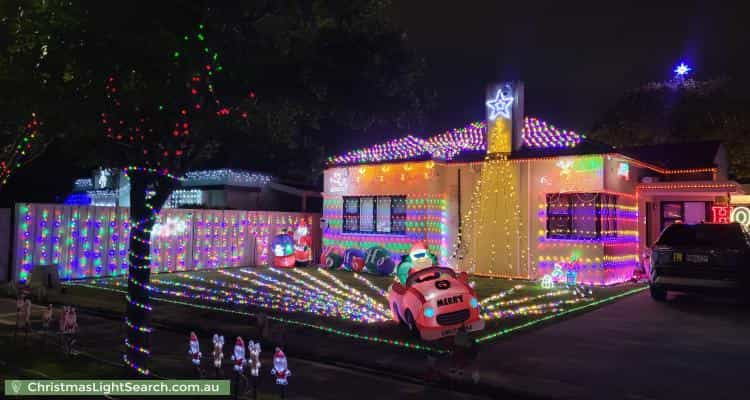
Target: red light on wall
point(720, 214)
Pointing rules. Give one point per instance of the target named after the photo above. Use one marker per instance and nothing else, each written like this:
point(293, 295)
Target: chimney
point(504, 106)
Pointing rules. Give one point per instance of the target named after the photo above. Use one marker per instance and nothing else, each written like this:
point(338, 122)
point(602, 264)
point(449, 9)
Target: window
point(375, 214)
point(583, 216)
point(689, 212)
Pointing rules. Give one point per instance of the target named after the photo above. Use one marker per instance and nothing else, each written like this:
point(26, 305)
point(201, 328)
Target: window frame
point(605, 212)
point(394, 218)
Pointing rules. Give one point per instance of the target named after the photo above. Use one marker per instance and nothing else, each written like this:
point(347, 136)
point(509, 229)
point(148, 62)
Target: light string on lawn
point(519, 300)
point(500, 294)
point(532, 309)
point(343, 298)
point(367, 282)
point(594, 303)
point(348, 291)
point(322, 328)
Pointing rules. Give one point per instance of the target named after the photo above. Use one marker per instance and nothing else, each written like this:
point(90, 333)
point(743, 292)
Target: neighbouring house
point(514, 196)
point(215, 189)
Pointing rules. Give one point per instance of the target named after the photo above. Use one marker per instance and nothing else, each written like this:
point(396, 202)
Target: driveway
point(688, 348)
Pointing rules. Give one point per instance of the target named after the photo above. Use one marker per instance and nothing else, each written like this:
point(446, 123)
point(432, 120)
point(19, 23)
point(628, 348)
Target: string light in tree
point(26, 145)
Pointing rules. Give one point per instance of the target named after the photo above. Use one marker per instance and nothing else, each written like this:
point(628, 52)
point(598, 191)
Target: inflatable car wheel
point(394, 309)
point(411, 324)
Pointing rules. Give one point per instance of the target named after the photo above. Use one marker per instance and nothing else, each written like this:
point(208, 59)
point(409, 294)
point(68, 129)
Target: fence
point(85, 241)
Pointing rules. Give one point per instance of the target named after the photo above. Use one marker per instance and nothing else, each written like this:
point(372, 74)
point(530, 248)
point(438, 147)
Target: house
point(214, 188)
point(515, 196)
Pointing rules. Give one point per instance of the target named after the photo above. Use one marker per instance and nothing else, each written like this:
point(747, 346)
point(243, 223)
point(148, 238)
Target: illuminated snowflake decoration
point(501, 105)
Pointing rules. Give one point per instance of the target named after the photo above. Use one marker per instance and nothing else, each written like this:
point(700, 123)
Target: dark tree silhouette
point(682, 110)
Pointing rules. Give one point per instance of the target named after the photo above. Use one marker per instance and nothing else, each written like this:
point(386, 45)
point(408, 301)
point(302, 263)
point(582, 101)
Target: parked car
point(700, 257)
point(435, 302)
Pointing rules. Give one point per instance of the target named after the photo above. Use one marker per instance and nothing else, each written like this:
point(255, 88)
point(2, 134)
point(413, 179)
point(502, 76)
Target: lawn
point(336, 302)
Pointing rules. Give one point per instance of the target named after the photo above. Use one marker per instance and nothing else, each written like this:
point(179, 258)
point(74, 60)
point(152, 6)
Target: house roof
point(540, 140)
point(676, 155)
point(467, 144)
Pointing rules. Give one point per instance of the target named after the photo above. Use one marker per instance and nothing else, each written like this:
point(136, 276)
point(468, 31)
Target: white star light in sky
point(682, 69)
point(501, 104)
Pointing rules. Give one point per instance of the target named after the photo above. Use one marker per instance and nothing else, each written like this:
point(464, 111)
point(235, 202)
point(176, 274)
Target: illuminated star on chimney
point(501, 104)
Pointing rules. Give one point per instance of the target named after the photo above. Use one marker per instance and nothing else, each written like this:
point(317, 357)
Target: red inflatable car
point(435, 302)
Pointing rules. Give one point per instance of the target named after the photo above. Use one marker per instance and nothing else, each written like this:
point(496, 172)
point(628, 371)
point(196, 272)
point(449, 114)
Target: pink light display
point(93, 241)
point(448, 145)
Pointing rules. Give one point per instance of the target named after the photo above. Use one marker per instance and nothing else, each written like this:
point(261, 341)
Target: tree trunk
point(142, 215)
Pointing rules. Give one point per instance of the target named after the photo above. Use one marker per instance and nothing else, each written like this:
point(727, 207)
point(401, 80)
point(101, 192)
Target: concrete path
point(688, 348)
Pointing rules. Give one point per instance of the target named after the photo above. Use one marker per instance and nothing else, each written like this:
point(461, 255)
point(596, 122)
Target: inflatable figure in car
point(282, 247)
point(418, 258)
point(434, 302)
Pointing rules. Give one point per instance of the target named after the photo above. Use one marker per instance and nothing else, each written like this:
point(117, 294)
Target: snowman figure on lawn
point(194, 350)
point(280, 371)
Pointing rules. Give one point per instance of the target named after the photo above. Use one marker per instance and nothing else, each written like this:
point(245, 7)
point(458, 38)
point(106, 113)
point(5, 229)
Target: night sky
point(574, 57)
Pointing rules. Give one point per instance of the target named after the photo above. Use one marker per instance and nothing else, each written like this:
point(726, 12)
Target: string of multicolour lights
point(324, 287)
point(533, 309)
point(322, 328)
point(526, 299)
point(340, 297)
point(499, 295)
point(525, 325)
point(448, 145)
point(348, 291)
point(308, 301)
point(367, 283)
point(21, 150)
point(343, 306)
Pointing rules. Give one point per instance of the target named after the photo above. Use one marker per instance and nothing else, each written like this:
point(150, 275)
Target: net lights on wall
point(93, 241)
point(426, 220)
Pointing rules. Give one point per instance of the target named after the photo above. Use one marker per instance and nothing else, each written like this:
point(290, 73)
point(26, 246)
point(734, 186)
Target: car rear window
point(725, 236)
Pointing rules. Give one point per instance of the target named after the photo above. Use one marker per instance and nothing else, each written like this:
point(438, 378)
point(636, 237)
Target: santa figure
point(280, 370)
point(302, 243)
point(195, 350)
point(238, 356)
point(418, 258)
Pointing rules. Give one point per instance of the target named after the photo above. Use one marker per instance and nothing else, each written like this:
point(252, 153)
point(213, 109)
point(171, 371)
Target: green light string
point(531, 323)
